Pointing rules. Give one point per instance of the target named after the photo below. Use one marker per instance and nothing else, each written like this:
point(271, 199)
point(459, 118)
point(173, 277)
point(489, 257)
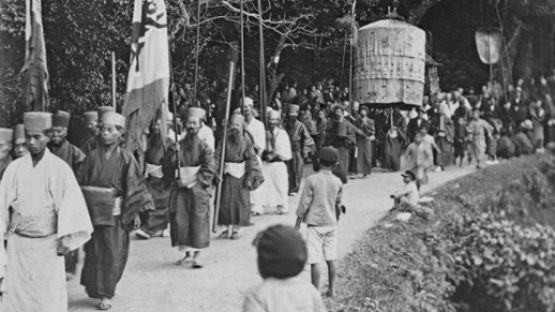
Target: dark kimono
point(73, 156)
point(235, 206)
point(70, 153)
point(394, 146)
point(107, 251)
point(158, 219)
point(444, 141)
point(190, 207)
point(342, 136)
point(92, 143)
point(301, 141)
point(364, 146)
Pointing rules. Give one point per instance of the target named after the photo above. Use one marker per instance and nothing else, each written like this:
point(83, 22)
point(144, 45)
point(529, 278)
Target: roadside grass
point(417, 265)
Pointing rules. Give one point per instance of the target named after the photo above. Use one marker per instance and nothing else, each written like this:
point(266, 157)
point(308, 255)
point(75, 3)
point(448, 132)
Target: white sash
point(117, 206)
point(154, 171)
point(236, 170)
point(188, 176)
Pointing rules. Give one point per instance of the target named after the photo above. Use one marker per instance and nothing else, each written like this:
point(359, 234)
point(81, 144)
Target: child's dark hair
point(327, 163)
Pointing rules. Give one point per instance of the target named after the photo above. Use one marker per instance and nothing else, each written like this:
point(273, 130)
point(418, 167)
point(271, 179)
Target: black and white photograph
point(277, 155)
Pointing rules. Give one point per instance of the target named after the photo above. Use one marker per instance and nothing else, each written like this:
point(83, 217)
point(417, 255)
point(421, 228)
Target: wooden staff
point(175, 132)
point(217, 205)
point(114, 79)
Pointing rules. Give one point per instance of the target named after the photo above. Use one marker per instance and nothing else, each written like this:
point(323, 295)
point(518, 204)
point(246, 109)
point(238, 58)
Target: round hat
point(273, 114)
point(293, 110)
point(237, 118)
point(113, 118)
point(101, 110)
point(61, 119)
point(37, 122)
point(247, 101)
point(281, 252)
point(527, 125)
point(196, 112)
point(6, 135)
point(91, 116)
point(19, 134)
point(409, 174)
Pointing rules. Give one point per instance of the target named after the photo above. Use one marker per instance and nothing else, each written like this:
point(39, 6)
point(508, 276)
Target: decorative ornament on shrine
point(390, 63)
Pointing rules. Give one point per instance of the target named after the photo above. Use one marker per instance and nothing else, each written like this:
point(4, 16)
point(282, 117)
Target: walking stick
point(232, 63)
point(176, 136)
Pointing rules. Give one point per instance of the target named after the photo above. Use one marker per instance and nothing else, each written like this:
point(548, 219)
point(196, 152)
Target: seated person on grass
point(409, 195)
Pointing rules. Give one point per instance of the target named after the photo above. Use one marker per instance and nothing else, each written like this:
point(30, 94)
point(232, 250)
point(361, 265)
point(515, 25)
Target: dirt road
point(151, 282)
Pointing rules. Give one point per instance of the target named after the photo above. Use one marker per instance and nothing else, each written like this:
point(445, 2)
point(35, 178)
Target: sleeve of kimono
point(254, 175)
point(371, 127)
point(308, 142)
point(208, 167)
point(7, 195)
point(74, 223)
point(136, 198)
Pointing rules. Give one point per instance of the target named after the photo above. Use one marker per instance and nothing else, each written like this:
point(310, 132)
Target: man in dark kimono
point(116, 192)
point(73, 156)
point(95, 140)
point(341, 134)
point(59, 145)
point(301, 146)
point(155, 222)
point(6, 136)
point(189, 203)
point(395, 141)
point(19, 145)
point(242, 174)
point(364, 143)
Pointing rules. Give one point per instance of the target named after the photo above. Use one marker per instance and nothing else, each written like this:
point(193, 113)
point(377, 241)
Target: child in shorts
point(318, 208)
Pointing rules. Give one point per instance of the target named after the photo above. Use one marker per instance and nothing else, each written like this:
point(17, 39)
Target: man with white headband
point(278, 151)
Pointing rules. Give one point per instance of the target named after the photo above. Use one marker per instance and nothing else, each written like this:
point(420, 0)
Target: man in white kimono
point(278, 150)
point(258, 132)
point(48, 218)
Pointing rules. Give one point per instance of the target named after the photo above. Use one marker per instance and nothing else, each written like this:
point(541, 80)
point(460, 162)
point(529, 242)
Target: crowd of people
point(56, 197)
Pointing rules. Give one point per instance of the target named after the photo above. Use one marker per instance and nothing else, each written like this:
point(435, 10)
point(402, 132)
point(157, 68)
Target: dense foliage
point(489, 247)
point(81, 34)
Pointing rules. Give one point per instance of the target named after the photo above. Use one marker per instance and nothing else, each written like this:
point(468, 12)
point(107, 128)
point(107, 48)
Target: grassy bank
point(457, 259)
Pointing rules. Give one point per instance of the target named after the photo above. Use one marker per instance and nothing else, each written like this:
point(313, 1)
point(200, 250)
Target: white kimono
point(47, 209)
point(256, 128)
point(276, 185)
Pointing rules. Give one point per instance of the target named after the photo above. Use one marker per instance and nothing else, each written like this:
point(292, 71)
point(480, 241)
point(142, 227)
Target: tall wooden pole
point(231, 79)
point(242, 60)
point(262, 77)
point(197, 44)
point(114, 79)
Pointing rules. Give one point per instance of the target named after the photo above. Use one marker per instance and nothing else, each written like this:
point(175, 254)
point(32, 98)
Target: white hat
point(6, 135)
point(247, 101)
point(37, 122)
point(273, 114)
point(112, 118)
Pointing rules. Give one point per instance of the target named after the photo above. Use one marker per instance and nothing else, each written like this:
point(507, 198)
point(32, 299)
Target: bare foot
point(330, 292)
point(183, 260)
point(105, 304)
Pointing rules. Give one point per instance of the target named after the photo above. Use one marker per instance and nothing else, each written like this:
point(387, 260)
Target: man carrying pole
point(189, 203)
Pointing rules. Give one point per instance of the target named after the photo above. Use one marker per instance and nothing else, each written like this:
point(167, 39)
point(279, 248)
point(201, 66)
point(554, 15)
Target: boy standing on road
point(320, 201)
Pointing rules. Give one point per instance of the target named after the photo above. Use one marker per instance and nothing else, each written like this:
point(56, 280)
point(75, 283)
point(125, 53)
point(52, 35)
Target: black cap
point(281, 252)
point(409, 174)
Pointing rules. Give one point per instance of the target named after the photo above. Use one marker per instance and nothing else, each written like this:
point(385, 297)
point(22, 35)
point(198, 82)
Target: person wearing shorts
point(318, 209)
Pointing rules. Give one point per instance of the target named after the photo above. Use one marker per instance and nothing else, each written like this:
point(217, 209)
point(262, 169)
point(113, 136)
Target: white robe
point(276, 185)
point(256, 128)
point(47, 208)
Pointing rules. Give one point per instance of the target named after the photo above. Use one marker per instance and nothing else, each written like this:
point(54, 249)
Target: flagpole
point(114, 79)
point(242, 61)
point(262, 77)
